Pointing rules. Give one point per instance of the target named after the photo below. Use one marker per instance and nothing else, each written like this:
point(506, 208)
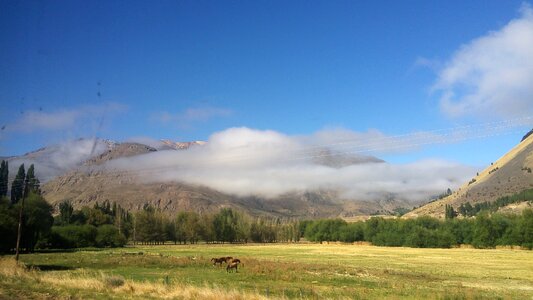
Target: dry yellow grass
point(303, 271)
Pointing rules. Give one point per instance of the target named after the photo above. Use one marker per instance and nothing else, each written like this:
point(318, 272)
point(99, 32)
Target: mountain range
point(73, 171)
point(78, 171)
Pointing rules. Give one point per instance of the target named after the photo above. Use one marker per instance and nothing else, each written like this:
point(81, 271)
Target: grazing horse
point(232, 265)
point(218, 260)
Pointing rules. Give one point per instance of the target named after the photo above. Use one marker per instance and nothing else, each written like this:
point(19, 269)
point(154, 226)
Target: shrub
point(114, 281)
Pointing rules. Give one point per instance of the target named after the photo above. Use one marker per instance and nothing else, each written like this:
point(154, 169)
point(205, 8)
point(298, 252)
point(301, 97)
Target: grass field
point(310, 271)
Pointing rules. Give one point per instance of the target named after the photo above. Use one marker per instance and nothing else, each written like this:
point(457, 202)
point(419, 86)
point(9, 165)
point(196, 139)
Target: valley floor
point(309, 271)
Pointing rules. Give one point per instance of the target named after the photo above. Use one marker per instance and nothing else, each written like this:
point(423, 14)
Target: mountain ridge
point(508, 175)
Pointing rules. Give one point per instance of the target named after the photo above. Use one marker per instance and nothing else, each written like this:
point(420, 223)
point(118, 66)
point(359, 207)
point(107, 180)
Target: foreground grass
point(276, 271)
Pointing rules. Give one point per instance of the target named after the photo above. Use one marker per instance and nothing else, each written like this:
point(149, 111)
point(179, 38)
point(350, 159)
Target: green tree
point(372, 227)
point(66, 210)
point(96, 216)
point(209, 233)
point(181, 231)
point(37, 220)
point(450, 213)
point(193, 228)
point(353, 232)
point(4, 178)
point(150, 226)
point(225, 223)
point(524, 228)
point(8, 225)
point(484, 235)
point(32, 184)
point(17, 186)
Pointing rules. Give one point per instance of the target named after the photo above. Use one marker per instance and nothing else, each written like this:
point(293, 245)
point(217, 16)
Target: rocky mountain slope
point(119, 151)
point(507, 176)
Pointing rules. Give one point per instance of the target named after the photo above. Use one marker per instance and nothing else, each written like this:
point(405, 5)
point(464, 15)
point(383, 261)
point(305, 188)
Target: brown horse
point(232, 265)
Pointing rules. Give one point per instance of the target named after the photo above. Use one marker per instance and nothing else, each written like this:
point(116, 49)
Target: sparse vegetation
point(494, 170)
point(469, 210)
point(400, 211)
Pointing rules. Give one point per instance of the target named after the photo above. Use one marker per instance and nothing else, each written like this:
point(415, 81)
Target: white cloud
point(57, 159)
point(190, 116)
point(62, 119)
point(38, 120)
point(244, 161)
point(491, 75)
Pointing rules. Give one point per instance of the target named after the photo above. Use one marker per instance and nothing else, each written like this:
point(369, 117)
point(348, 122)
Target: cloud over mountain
point(244, 162)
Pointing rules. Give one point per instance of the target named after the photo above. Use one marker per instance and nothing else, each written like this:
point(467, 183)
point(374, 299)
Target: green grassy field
point(310, 271)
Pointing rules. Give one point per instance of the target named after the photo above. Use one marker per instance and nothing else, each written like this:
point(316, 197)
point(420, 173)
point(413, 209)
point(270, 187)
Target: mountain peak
point(181, 145)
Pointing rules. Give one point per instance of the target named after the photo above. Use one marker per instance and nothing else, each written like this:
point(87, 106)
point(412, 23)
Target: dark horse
point(224, 259)
point(218, 260)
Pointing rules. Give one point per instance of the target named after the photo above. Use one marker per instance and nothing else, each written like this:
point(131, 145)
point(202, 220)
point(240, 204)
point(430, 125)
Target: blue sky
point(183, 70)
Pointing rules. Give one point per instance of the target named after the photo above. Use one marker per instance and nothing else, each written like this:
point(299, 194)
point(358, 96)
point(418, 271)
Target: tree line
point(484, 231)
point(109, 225)
point(226, 226)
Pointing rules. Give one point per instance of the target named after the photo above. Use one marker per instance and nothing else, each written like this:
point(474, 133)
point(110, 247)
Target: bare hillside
point(507, 176)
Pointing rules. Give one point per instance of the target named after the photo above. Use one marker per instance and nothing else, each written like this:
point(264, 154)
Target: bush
point(114, 281)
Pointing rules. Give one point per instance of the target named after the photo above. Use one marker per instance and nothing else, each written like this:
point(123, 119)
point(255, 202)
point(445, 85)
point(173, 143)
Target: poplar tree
point(4, 177)
point(449, 212)
point(32, 184)
point(17, 187)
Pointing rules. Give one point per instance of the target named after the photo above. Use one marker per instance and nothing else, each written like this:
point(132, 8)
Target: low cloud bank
point(244, 162)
